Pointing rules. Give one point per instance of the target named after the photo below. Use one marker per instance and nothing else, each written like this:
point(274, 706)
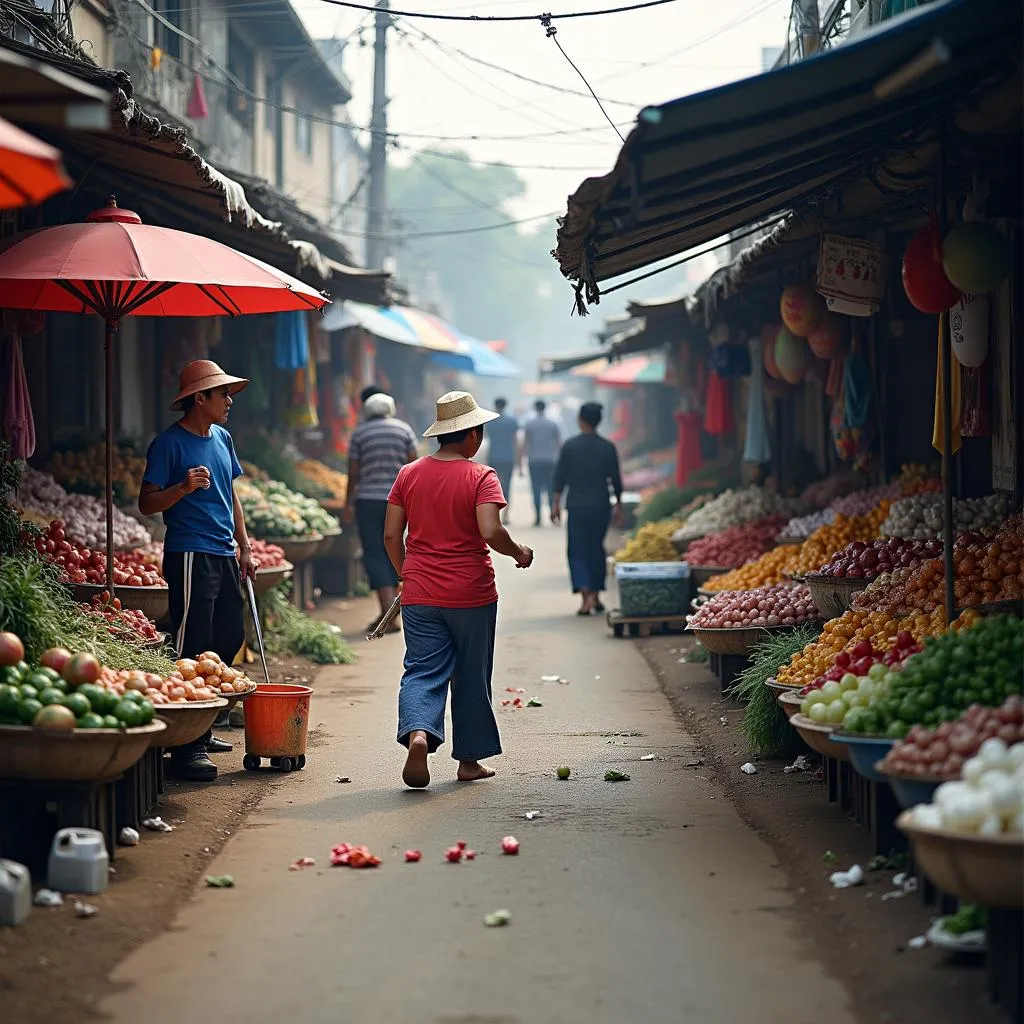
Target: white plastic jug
point(78, 861)
point(15, 892)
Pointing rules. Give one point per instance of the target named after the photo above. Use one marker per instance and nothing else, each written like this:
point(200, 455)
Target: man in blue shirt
point(501, 435)
point(190, 472)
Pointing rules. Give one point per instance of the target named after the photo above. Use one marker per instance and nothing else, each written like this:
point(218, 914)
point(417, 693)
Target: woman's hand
point(556, 511)
point(525, 557)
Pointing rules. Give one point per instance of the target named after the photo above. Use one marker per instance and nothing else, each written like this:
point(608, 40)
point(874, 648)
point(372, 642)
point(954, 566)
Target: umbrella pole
point(946, 361)
point(108, 370)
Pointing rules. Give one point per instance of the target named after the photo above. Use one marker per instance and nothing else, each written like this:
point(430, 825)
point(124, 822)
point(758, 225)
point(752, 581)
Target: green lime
point(111, 722)
point(135, 696)
point(28, 710)
point(50, 696)
point(10, 699)
point(10, 675)
point(897, 730)
point(91, 720)
point(77, 704)
point(95, 695)
point(148, 712)
point(23, 667)
point(29, 692)
point(50, 673)
point(128, 713)
point(38, 679)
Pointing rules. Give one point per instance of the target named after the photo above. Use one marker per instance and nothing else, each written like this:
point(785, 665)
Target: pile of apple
point(777, 605)
point(860, 560)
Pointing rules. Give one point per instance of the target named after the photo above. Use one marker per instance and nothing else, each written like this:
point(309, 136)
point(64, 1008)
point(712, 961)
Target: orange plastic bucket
point(276, 720)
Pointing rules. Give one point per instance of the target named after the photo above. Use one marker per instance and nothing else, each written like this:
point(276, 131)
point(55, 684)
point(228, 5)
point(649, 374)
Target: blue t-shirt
point(502, 435)
point(203, 521)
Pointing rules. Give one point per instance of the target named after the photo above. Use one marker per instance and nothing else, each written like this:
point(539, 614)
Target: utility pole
point(808, 27)
point(376, 221)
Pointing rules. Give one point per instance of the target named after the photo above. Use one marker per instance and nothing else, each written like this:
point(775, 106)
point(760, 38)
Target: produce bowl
point(700, 574)
point(162, 640)
point(790, 703)
point(85, 755)
point(982, 869)
point(865, 753)
point(910, 790)
point(187, 722)
point(267, 579)
point(833, 595)
point(819, 737)
point(738, 640)
point(151, 601)
point(328, 544)
point(297, 549)
point(237, 698)
point(773, 684)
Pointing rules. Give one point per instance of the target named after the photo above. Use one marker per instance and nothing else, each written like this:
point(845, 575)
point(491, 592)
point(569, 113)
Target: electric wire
point(497, 18)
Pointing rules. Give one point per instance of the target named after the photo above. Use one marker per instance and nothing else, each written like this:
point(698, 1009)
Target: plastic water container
point(78, 861)
point(15, 892)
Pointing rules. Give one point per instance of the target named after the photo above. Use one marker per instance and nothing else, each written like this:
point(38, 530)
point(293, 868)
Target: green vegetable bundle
point(285, 628)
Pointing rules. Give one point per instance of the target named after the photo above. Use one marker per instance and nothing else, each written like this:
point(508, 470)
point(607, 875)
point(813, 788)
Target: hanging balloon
point(968, 328)
point(768, 335)
point(791, 356)
point(976, 257)
point(802, 309)
point(924, 280)
point(828, 339)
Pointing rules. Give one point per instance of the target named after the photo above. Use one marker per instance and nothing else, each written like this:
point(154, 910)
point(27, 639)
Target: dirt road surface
point(643, 900)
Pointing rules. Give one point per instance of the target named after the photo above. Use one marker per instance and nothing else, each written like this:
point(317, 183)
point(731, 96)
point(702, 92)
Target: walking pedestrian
point(379, 447)
point(451, 507)
point(502, 435)
point(588, 466)
point(190, 472)
point(542, 440)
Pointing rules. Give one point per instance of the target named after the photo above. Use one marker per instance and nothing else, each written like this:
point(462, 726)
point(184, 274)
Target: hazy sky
point(634, 58)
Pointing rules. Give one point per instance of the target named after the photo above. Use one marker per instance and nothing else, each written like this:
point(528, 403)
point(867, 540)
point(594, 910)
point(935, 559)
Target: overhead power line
point(405, 235)
point(431, 16)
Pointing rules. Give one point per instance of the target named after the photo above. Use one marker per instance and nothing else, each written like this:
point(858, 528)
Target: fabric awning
point(635, 370)
point(487, 362)
point(697, 168)
point(588, 371)
point(373, 319)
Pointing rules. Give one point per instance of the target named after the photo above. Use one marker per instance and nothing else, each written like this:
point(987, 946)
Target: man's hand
point(348, 514)
point(618, 517)
point(197, 478)
point(556, 512)
point(525, 559)
point(247, 565)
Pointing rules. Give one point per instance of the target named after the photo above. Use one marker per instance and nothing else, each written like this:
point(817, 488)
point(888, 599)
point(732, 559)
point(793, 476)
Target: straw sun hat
point(202, 375)
point(458, 411)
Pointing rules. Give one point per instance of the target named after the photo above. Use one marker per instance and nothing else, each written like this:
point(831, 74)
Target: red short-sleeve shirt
point(447, 563)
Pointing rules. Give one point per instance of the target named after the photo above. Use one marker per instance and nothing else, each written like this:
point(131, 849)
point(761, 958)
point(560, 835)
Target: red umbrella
point(30, 170)
point(114, 266)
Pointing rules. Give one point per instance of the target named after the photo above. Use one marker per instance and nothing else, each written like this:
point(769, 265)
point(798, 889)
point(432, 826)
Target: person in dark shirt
point(588, 465)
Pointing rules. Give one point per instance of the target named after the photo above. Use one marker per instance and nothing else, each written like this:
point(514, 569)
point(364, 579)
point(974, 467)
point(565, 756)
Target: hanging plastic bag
point(757, 448)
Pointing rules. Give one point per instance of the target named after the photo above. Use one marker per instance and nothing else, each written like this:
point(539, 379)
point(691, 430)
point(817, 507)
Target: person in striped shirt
point(379, 447)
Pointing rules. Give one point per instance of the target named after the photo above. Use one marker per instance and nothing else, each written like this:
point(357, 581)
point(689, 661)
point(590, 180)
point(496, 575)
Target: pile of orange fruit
point(769, 568)
point(834, 537)
point(878, 627)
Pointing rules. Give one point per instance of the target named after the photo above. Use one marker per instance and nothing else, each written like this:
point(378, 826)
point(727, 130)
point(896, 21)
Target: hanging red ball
point(924, 279)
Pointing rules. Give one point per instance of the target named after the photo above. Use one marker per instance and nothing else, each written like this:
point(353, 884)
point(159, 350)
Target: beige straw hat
point(458, 411)
point(202, 375)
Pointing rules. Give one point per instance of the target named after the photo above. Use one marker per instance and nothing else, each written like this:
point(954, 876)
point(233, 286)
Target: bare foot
point(416, 774)
point(473, 771)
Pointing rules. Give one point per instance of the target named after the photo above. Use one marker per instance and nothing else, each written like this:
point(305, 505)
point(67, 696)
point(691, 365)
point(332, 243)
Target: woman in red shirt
point(452, 508)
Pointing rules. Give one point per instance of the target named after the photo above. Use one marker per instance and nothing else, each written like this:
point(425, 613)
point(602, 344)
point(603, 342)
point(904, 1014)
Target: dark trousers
point(587, 525)
point(542, 478)
point(207, 611)
point(504, 471)
point(370, 523)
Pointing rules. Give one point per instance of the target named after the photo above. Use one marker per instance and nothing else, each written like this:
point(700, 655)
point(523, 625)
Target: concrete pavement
point(645, 901)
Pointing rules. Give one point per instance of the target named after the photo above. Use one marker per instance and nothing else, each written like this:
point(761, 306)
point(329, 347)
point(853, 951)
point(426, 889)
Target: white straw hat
point(458, 411)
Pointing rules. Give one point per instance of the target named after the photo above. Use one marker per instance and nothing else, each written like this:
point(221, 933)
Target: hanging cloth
point(688, 458)
point(197, 109)
point(954, 393)
point(976, 403)
point(303, 413)
point(857, 390)
point(18, 425)
point(757, 449)
point(291, 341)
point(718, 416)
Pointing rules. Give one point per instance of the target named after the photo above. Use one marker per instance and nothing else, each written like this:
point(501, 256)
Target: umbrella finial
point(112, 213)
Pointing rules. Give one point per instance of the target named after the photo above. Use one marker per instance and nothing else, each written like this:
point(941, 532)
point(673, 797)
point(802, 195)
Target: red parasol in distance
point(30, 170)
point(114, 266)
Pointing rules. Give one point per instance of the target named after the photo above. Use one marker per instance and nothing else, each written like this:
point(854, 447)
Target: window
point(165, 36)
point(240, 66)
point(303, 134)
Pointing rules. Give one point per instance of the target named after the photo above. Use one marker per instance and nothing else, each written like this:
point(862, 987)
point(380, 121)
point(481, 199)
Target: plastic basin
point(910, 792)
point(277, 720)
point(865, 753)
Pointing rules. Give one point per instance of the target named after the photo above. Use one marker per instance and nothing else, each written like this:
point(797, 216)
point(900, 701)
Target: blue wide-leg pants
point(442, 646)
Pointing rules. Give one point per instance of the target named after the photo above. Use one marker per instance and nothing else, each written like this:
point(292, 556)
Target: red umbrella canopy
point(30, 170)
point(115, 266)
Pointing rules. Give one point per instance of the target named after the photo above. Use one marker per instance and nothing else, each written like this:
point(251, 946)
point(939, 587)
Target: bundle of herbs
point(39, 608)
point(764, 722)
point(285, 628)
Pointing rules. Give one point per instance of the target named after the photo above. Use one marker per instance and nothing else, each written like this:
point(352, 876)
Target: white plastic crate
point(653, 588)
